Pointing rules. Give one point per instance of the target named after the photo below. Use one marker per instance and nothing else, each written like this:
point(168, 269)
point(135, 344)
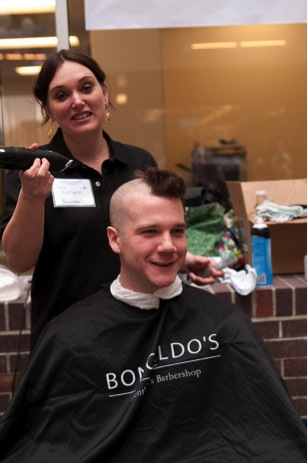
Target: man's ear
point(113, 237)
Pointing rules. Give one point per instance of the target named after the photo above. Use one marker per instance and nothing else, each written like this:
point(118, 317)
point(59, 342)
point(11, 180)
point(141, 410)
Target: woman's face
point(76, 100)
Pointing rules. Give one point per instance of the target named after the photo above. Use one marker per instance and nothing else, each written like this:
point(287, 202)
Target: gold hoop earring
point(108, 116)
point(50, 133)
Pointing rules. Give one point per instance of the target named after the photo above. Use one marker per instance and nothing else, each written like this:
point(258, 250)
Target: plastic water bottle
point(261, 253)
point(261, 196)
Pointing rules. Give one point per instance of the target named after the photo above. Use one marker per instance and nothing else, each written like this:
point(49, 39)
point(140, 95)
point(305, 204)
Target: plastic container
point(261, 253)
point(261, 196)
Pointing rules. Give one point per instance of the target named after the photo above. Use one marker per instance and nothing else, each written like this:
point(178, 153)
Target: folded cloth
point(10, 285)
point(279, 213)
point(243, 282)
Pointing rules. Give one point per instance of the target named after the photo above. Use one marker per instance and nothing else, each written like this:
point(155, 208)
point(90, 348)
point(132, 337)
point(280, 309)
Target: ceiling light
point(23, 56)
point(263, 43)
point(212, 45)
point(121, 98)
point(13, 56)
point(28, 70)
point(34, 42)
point(242, 44)
point(34, 56)
point(29, 6)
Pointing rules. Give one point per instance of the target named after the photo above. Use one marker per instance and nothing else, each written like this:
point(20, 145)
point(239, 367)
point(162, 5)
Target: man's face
point(151, 242)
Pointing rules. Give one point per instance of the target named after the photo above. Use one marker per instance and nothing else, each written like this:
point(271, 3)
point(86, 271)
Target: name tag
point(72, 192)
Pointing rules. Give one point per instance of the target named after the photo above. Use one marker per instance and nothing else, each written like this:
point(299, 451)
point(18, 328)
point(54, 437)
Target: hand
point(37, 180)
point(194, 264)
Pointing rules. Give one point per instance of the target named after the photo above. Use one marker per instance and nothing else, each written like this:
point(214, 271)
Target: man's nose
point(166, 244)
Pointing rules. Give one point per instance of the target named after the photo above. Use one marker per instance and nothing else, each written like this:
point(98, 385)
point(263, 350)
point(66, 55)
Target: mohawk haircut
point(163, 183)
point(154, 181)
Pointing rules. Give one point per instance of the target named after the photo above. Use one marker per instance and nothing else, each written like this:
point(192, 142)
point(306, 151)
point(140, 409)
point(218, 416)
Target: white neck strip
point(145, 300)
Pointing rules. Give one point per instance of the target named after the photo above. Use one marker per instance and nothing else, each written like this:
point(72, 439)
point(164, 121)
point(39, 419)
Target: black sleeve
point(12, 186)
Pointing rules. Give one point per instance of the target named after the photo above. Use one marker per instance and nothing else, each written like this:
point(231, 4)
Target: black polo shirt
point(76, 257)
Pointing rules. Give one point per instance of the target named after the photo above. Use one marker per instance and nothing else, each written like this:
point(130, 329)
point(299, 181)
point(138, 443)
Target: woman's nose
point(77, 100)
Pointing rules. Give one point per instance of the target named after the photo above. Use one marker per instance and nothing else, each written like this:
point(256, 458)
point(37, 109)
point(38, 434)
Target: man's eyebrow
point(154, 225)
point(147, 226)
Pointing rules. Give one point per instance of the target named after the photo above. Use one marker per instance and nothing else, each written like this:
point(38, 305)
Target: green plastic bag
point(205, 226)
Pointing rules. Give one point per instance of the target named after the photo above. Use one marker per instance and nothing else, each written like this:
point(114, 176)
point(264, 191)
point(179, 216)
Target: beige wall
point(177, 97)
point(133, 63)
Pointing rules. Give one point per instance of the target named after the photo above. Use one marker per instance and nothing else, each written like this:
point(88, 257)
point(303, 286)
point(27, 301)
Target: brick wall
point(14, 344)
point(279, 313)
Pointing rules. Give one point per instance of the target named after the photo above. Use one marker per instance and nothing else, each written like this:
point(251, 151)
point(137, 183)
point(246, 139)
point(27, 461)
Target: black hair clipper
point(23, 158)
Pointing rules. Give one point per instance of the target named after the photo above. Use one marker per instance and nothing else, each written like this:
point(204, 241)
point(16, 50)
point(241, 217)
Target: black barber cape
point(188, 382)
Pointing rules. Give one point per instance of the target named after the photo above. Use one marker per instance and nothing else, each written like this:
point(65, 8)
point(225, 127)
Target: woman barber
point(65, 240)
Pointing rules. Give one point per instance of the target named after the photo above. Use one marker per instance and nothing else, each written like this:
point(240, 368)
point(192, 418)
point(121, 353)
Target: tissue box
point(289, 239)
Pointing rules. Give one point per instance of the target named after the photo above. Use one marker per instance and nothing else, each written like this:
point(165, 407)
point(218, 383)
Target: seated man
point(150, 369)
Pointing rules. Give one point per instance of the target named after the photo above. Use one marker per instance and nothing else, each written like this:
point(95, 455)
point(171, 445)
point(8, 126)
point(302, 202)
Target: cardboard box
point(289, 239)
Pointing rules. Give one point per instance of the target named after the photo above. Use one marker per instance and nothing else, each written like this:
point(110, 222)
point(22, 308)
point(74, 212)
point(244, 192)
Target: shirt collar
point(119, 156)
point(145, 300)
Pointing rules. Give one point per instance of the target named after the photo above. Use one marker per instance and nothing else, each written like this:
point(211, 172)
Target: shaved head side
point(153, 181)
point(122, 198)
